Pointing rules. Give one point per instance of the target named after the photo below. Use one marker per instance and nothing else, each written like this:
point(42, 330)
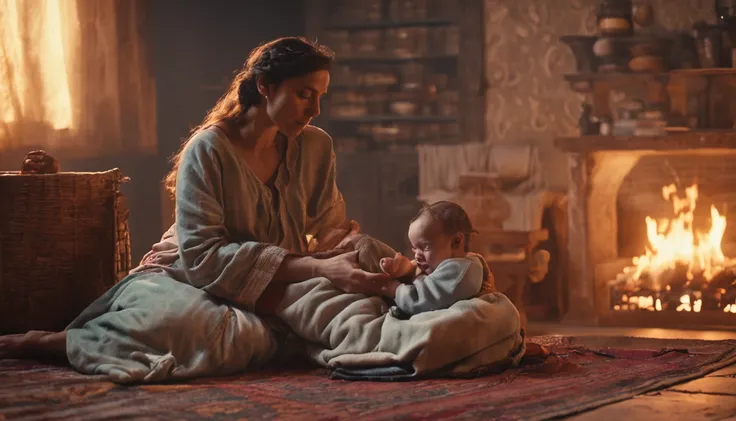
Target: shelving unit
point(400, 65)
point(684, 121)
point(686, 91)
point(406, 72)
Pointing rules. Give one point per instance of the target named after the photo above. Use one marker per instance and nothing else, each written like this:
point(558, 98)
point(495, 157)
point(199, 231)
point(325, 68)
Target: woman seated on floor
point(250, 183)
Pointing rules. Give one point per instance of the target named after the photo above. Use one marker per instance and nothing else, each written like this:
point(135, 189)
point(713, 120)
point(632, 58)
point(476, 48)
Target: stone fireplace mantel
point(597, 166)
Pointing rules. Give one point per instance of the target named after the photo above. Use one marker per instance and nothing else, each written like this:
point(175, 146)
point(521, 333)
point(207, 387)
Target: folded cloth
point(406, 372)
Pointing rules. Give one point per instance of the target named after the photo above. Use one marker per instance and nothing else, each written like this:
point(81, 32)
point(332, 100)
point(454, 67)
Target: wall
point(527, 98)
point(198, 46)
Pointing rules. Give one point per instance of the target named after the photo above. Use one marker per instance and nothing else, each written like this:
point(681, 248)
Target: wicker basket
point(63, 242)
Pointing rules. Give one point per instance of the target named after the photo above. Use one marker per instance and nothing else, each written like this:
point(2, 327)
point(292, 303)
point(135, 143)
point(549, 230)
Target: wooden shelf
point(358, 26)
point(627, 39)
point(615, 76)
point(661, 76)
point(394, 118)
point(366, 88)
point(716, 71)
point(393, 60)
point(722, 140)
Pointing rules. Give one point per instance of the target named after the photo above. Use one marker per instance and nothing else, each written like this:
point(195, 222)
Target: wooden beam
point(691, 142)
point(581, 307)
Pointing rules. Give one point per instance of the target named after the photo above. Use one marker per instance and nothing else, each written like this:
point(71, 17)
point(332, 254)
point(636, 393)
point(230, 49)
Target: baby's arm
point(453, 280)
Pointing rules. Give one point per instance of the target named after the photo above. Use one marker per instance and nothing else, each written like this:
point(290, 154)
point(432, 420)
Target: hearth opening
point(674, 239)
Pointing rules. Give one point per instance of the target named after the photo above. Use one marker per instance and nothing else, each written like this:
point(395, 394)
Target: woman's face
point(296, 101)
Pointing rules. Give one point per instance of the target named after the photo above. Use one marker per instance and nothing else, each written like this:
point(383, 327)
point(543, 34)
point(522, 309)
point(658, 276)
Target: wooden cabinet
point(380, 191)
point(406, 72)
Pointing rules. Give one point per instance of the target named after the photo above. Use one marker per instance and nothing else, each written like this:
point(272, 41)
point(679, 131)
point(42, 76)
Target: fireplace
point(683, 279)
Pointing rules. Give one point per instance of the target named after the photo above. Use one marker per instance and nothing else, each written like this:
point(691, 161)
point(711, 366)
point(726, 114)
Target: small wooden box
point(63, 242)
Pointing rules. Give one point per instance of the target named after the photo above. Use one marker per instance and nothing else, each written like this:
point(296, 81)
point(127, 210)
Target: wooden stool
point(509, 256)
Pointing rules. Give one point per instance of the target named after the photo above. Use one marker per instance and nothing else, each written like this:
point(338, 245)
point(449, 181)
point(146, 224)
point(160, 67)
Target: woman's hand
point(347, 241)
point(345, 273)
point(337, 238)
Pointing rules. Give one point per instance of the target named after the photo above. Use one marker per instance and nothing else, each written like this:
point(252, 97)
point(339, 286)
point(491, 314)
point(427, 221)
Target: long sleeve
point(326, 210)
point(453, 280)
point(235, 271)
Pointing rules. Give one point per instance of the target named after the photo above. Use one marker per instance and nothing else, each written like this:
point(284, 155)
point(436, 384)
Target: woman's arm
point(208, 257)
point(239, 272)
point(342, 270)
point(327, 220)
point(296, 269)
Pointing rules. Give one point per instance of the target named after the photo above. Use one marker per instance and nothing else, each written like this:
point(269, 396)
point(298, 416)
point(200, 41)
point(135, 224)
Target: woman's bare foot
point(35, 345)
point(397, 266)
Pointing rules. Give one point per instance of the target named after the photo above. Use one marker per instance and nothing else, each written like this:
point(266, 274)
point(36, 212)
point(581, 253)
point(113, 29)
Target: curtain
point(75, 77)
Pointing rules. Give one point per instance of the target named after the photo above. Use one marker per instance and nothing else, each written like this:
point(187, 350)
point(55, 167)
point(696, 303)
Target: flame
point(32, 38)
point(673, 242)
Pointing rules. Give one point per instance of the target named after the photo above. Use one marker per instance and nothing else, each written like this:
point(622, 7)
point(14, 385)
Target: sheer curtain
point(75, 78)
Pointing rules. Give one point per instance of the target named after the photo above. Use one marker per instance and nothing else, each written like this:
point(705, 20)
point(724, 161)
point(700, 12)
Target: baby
point(333, 323)
point(443, 271)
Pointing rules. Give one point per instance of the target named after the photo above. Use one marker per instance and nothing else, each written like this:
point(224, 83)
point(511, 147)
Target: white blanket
point(352, 330)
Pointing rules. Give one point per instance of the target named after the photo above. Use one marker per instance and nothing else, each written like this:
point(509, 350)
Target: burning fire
point(675, 245)
point(674, 242)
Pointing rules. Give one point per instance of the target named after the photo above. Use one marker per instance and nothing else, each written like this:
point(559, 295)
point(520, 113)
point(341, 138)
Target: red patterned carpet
point(581, 373)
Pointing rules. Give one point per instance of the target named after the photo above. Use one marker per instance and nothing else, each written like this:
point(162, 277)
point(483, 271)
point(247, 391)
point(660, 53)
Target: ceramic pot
point(582, 48)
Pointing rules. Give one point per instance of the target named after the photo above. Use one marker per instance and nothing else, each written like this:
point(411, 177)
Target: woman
point(250, 183)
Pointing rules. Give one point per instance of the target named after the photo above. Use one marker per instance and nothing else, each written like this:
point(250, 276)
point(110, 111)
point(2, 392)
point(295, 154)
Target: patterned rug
point(580, 374)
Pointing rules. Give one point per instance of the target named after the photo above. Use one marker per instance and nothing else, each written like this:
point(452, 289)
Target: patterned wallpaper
point(528, 100)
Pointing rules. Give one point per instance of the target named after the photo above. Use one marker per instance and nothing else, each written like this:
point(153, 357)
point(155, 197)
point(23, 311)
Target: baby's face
point(429, 243)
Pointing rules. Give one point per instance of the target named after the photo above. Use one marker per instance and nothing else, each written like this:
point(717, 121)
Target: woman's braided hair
point(274, 61)
point(277, 61)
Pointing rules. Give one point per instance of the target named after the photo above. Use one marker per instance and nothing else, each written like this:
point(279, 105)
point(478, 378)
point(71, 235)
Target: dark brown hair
point(452, 217)
point(275, 61)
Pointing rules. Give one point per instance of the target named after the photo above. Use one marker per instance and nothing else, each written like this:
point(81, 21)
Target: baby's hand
point(396, 266)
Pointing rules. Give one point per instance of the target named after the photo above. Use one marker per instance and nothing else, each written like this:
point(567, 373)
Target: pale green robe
point(227, 242)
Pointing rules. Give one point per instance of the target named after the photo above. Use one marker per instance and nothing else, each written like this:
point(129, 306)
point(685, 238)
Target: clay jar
point(582, 48)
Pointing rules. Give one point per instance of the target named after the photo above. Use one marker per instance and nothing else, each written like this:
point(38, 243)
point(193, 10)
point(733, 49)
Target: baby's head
point(439, 231)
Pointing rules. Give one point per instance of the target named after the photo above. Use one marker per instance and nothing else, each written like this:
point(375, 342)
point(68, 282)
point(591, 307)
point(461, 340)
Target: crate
point(64, 240)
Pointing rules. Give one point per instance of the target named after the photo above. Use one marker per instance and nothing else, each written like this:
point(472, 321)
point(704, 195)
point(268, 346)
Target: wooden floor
point(710, 398)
